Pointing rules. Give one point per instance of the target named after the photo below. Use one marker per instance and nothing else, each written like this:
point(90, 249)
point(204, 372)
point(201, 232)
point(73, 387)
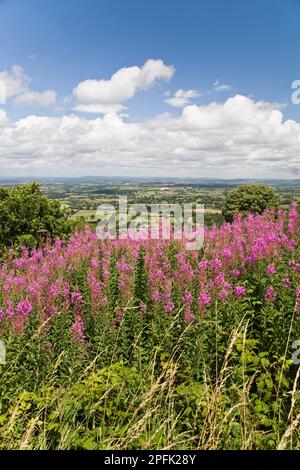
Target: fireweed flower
point(204, 299)
point(226, 253)
point(143, 307)
point(189, 317)
point(24, 308)
point(286, 282)
point(227, 285)
point(78, 329)
point(270, 294)
point(54, 291)
point(166, 266)
point(169, 307)
point(202, 264)
point(119, 314)
point(66, 289)
point(219, 279)
point(271, 269)
point(76, 298)
point(239, 292)
point(94, 263)
point(223, 294)
point(10, 309)
point(216, 264)
point(297, 298)
point(19, 282)
point(155, 296)
point(187, 297)
point(2, 314)
point(122, 266)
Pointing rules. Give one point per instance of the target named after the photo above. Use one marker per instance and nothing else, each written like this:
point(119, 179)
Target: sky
point(190, 88)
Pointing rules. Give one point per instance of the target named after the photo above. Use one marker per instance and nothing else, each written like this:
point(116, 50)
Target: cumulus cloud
point(44, 99)
point(2, 93)
point(240, 137)
point(103, 96)
point(15, 84)
point(3, 118)
point(182, 97)
point(219, 86)
point(15, 81)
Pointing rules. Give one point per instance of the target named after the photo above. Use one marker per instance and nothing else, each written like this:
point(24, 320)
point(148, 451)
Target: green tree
point(250, 198)
point(24, 210)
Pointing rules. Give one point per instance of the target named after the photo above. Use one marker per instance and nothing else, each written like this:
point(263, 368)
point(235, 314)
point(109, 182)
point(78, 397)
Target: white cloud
point(15, 84)
point(182, 97)
point(102, 96)
point(3, 118)
point(15, 81)
point(2, 92)
point(240, 137)
point(219, 87)
point(44, 99)
point(99, 108)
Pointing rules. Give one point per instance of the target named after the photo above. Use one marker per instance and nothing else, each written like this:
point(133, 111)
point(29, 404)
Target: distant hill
point(204, 182)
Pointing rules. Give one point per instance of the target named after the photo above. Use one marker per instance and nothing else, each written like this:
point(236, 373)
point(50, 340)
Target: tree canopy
point(24, 210)
point(249, 198)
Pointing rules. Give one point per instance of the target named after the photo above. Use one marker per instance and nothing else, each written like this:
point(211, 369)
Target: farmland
point(82, 196)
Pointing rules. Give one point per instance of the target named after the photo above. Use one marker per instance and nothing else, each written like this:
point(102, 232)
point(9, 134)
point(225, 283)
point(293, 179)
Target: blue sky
point(219, 49)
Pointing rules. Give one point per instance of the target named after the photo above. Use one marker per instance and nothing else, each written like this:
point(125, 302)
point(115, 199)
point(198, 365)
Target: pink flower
point(24, 308)
point(169, 307)
point(270, 294)
point(223, 294)
point(202, 264)
point(239, 292)
point(76, 298)
point(286, 282)
point(216, 264)
point(219, 279)
point(204, 299)
point(155, 296)
point(9, 309)
point(54, 291)
point(187, 297)
point(235, 272)
point(271, 269)
point(143, 307)
point(94, 263)
point(119, 314)
point(226, 253)
point(189, 317)
point(78, 329)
